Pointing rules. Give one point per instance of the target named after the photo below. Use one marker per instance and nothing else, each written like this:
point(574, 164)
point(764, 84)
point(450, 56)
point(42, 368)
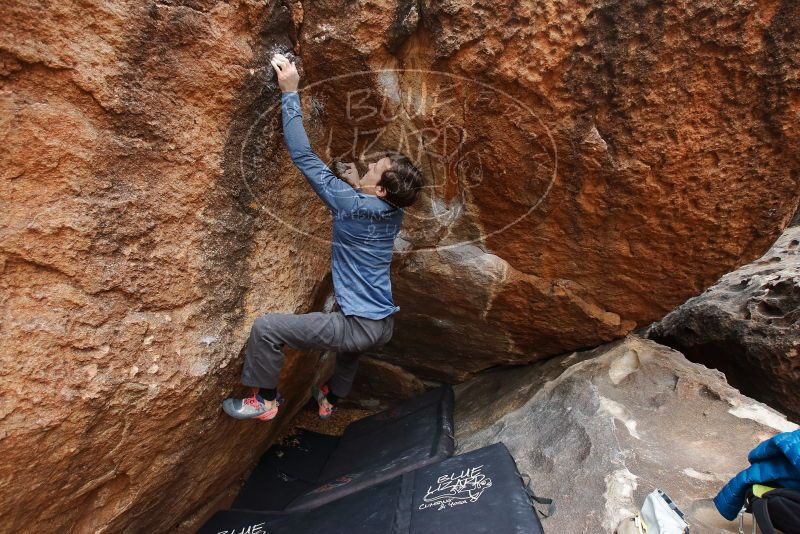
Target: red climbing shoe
point(325, 407)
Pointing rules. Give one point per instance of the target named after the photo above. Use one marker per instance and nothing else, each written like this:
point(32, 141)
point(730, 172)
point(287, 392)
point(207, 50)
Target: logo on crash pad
point(456, 489)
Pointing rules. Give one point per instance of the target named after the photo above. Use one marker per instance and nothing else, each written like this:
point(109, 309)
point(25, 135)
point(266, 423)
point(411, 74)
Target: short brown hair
point(402, 181)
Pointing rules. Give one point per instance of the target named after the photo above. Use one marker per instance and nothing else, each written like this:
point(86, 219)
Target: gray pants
point(348, 336)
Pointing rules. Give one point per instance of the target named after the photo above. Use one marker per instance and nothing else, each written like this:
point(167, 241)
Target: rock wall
point(747, 325)
point(135, 250)
point(591, 164)
point(599, 430)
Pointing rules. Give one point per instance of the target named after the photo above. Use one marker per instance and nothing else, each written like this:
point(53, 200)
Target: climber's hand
point(350, 175)
point(288, 78)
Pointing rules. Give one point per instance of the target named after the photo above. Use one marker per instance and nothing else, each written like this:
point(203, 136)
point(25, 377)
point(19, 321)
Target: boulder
point(137, 245)
point(747, 325)
point(601, 429)
point(591, 165)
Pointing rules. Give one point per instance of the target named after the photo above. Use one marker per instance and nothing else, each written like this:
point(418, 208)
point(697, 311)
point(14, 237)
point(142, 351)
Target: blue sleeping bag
point(775, 460)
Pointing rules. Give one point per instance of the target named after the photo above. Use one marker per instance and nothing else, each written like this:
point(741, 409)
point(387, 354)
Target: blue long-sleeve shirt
point(364, 226)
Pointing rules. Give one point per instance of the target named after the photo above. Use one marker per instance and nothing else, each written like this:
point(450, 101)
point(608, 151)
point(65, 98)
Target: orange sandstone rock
point(591, 164)
point(135, 251)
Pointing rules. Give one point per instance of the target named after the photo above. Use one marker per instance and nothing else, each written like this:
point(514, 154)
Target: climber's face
point(369, 182)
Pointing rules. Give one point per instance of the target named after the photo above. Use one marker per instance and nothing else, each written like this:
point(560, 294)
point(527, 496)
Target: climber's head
point(393, 178)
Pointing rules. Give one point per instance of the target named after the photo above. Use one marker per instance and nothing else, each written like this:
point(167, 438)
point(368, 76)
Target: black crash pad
point(312, 469)
point(477, 492)
point(285, 471)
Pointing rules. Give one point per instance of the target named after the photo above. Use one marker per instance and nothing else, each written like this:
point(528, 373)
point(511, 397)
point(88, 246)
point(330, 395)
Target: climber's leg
point(264, 355)
point(360, 334)
point(339, 385)
point(345, 373)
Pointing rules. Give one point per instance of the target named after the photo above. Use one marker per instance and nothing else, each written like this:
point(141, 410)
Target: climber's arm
point(338, 195)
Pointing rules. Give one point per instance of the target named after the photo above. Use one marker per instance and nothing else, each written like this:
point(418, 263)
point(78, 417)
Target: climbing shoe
point(325, 408)
point(253, 407)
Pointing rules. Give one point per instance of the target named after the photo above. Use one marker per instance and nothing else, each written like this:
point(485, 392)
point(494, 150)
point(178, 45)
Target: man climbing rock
point(367, 215)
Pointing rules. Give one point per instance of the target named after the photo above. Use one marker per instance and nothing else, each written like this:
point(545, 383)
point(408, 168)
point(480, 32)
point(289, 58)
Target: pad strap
point(535, 499)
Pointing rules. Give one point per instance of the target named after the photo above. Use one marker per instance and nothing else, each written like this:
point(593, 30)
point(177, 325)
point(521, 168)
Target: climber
point(367, 215)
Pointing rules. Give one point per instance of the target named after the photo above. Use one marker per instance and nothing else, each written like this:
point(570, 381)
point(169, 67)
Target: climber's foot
point(325, 407)
point(253, 407)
